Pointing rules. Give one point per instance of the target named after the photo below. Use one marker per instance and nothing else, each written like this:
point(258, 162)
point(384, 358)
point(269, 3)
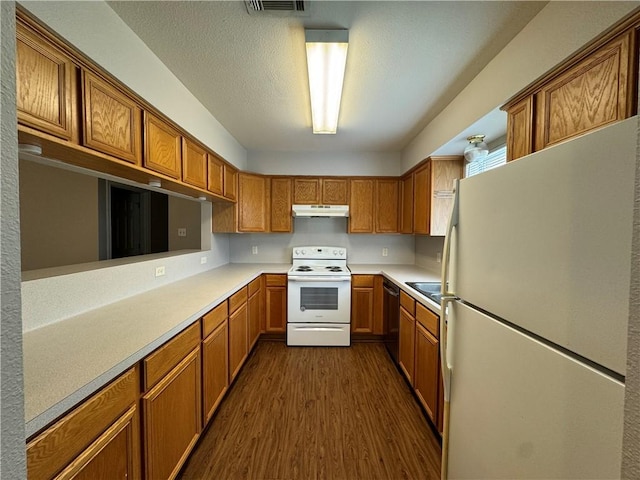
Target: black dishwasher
point(391, 317)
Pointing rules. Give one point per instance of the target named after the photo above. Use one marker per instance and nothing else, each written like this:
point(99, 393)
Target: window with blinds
point(495, 158)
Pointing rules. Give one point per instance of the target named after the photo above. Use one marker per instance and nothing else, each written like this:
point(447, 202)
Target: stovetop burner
point(303, 269)
point(334, 269)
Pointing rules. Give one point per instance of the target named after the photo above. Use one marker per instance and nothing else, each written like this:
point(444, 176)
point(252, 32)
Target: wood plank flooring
point(317, 413)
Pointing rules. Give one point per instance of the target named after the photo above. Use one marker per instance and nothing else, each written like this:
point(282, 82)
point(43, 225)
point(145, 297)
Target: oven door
point(318, 299)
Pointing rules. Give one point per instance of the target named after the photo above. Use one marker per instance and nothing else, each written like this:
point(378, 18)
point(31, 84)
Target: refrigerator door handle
point(453, 222)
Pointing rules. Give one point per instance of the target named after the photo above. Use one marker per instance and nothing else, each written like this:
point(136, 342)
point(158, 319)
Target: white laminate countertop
point(67, 361)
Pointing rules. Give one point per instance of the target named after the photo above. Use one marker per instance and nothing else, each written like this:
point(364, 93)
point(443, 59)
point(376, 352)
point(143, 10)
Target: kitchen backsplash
point(361, 248)
point(429, 252)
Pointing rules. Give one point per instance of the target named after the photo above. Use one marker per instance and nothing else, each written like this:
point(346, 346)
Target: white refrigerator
point(537, 262)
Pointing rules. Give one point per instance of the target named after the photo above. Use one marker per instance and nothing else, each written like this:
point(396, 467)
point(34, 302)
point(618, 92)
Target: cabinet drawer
point(53, 449)
point(276, 280)
point(254, 287)
point(362, 281)
point(214, 318)
point(237, 299)
point(428, 319)
point(408, 303)
point(160, 362)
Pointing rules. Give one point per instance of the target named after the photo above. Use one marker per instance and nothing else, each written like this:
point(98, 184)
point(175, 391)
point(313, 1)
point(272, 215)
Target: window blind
point(495, 158)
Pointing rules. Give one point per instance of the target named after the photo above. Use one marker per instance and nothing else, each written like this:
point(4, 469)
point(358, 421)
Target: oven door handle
point(296, 278)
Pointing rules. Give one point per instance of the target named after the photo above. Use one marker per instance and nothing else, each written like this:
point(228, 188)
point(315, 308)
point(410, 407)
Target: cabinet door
point(45, 85)
point(162, 147)
point(172, 419)
point(362, 310)
point(276, 309)
point(386, 206)
point(216, 175)
point(306, 191)
point(406, 347)
point(520, 129)
point(252, 203)
point(593, 93)
point(194, 164)
point(215, 369)
point(230, 182)
point(422, 199)
point(254, 318)
point(112, 121)
point(334, 191)
point(406, 206)
point(238, 331)
point(444, 171)
point(361, 206)
point(113, 455)
point(281, 205)
point(69, 441)
point(427, 368)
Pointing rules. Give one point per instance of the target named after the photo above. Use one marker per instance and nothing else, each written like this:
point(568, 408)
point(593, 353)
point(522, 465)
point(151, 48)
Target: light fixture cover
point(326, 62)
point(476, 150)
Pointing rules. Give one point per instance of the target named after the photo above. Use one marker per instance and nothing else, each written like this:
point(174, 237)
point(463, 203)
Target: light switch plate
point(160, 271)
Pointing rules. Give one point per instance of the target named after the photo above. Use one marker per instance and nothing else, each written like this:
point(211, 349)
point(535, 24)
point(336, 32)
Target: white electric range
point(319, 297)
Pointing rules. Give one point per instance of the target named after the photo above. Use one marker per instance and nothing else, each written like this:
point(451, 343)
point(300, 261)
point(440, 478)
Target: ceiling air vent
point(277, 7)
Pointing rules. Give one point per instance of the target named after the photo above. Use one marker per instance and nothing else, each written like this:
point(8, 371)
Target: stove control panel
point(320, 252)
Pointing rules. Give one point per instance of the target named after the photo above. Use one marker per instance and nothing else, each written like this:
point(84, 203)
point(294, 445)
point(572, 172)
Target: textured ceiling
point(406, 62)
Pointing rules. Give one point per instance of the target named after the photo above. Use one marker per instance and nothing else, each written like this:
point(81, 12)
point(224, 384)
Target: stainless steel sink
point(431, 290)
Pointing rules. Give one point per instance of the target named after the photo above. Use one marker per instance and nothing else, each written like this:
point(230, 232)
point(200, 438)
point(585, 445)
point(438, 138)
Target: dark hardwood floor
point(317, 413)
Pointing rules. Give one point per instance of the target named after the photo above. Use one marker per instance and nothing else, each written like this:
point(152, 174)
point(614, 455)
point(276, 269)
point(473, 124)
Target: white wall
point(96, 30)
point(12, 432)
point(325, 163)
point(361, 248)
point(554, 34)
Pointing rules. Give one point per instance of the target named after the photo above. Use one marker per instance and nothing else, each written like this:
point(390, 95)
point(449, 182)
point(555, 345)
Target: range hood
point(320, 210)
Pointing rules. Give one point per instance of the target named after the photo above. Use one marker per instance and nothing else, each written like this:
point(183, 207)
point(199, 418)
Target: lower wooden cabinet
point(172, 419)
point(100, 435)
point(215, 369)
point(427, 368)
point(276, 303)
point(238, 348)
point(254, 305)
point(406, 348)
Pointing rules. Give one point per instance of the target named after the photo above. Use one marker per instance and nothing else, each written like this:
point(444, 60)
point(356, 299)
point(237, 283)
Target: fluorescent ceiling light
point(326, 61)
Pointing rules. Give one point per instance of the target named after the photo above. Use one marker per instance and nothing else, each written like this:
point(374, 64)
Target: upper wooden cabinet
point(433, 194)
point(406, 204)
point(320, 191)
point(230, 182)
point(306, 191)
point(162, 147)
point(520, 129)
point(46, 86)
point(281, 220)
point(334, 191)
point(361, 206)
point(253, 192)
point(194, 164)
point(112, 121)
point(594, 88)
point(422, 199)
point(215, 184)
point(591, 94)
point(386, 205)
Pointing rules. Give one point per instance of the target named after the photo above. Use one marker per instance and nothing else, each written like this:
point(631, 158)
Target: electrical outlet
point(254, 250)
point(385, 252)
point(439, 257)
point(182, 232)
point(159, 271)
point(203, 260)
